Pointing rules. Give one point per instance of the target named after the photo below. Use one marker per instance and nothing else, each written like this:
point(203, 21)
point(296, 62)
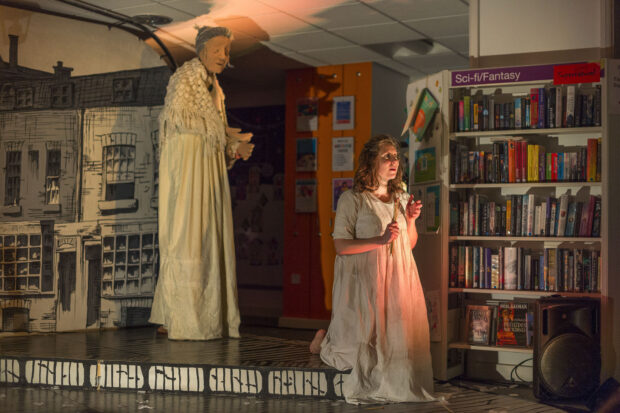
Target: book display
point(524, 210)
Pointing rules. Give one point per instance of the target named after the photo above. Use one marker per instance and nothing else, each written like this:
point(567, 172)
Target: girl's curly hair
point(366, 174)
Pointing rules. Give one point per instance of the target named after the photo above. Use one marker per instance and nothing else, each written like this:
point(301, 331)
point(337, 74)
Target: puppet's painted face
point(215, 54)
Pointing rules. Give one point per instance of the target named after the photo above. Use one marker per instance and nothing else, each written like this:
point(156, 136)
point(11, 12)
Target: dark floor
point(260, 346)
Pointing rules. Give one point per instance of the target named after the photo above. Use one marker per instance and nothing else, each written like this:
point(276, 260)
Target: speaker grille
point(569, 365)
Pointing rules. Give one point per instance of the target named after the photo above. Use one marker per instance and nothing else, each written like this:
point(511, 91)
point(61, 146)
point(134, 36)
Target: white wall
point(44, 40)
point(500, 27)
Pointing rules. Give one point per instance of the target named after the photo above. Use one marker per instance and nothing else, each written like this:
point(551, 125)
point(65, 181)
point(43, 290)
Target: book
point(510, 268)
point(562, 215)
point(570, 220)
point(570, 106)
point(478, 324)
point(512, 324)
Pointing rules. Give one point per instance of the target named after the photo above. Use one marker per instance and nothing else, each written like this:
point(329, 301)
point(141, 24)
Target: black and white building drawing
point(78, 197)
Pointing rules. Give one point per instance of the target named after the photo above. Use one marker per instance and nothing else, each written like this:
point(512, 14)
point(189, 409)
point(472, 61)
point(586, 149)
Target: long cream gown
point(379, 327)
point(196, 294)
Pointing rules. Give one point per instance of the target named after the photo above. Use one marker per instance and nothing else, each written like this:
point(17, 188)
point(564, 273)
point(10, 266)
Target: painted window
point(119, 164)
point(130, 264)
point(52, 177)
point(124, 90)
point(12, 177)
point(62, 95)
point(20, 262)
point(24, 98)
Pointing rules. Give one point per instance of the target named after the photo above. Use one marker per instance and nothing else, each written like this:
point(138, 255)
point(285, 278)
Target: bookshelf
point(491, 185)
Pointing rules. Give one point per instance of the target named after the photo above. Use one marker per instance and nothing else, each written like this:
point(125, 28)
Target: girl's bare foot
point(315, 345)
point(162, 330)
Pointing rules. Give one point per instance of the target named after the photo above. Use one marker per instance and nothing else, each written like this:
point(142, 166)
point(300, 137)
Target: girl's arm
point(358, 246)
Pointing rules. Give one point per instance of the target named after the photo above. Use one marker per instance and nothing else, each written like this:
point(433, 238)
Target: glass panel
point(22, 268)
point(9, 254)
point(9, 240)
point(35, 253)
point(134, 242)
point(9, 269)
point(121, 242)
point(108, 243)
point(147, 240)
point(147, 256)
point(119, 287)
point(107, 273)
point(33, 283)
point(134, 257)
point(132, 287)
point(121, 257)
point(9, 284)
point(147, 270)
point(22, 283)
point(35, 268)
point(107, 288)
point(22, 240)
point(108, 258)
point(35, 240)
point(22, 254)
point(147, 285)
point(119, 272)
point(133, 271)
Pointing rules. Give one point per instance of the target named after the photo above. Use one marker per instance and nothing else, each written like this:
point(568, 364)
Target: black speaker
point(567, 352)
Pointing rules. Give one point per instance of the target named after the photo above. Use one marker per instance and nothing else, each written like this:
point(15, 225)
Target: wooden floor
point(265, 364)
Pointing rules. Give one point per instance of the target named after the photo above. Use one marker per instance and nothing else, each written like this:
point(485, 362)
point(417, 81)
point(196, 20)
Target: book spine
point(558, 107)
point(562, 215)
point(542, 108)
point(466, 113)
point(534, 108)
point(570, 106)
point(510, 268)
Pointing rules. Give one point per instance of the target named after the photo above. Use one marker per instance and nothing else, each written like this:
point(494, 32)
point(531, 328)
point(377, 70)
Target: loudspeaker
point(567, 352)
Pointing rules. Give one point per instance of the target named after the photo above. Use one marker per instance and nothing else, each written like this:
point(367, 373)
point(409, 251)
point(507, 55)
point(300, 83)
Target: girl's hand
point(391, 232)
point(413, 209)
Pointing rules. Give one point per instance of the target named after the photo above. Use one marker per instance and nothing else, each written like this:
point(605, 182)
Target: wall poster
point(343, 113)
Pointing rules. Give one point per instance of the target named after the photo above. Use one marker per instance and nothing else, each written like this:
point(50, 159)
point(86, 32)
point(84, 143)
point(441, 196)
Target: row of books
point(545, 107)
point(522, 216)
point(516, 268)
point(515, 160)
point(499, 323)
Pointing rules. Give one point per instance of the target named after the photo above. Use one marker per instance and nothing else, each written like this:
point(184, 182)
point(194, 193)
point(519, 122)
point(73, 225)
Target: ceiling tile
point(378, 33)
point(343, 55)
point(457, 43)
point(442, 26)
point(435, 63)
point(347, 15)
point(310, 41)
point(279, 23)
point(193, 7)
point(418, 9)
point(297, 6)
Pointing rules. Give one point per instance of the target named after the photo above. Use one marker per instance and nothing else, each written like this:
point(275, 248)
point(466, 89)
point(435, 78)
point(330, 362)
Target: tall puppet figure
point(196, 294)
